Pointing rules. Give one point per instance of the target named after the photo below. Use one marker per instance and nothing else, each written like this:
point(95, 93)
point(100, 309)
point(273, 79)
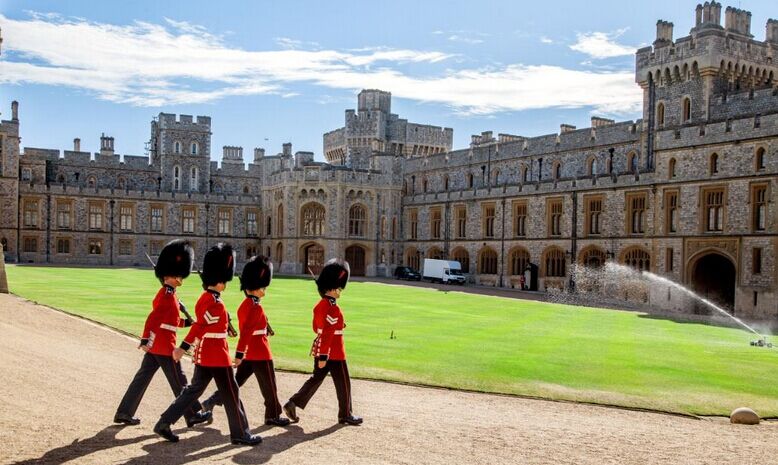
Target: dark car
point(404, 272)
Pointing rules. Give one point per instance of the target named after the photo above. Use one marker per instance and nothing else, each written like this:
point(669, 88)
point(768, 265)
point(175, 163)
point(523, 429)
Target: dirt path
point(63, 377)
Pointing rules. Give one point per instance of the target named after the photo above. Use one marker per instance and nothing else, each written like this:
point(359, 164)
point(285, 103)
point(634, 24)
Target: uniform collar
point(254, 299)
point(169, 289)
point(216, 294)
point(331, 300)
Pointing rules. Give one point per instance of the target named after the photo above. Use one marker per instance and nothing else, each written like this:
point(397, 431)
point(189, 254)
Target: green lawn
point(467, 341)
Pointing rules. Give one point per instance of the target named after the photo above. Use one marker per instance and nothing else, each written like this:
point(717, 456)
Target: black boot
point(350, 420)
point(163, 429)
point(199, 417)
point(248, 440)
point(125, 419)
point(277, 421)
point(291, 411)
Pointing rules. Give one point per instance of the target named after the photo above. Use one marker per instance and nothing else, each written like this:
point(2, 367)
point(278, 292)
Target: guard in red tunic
point(253, 355)
point(328, 348)
point(211, 356)
point(159, 336)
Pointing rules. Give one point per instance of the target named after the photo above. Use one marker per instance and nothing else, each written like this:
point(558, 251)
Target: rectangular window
point(593, 216)
point(30, 245)
point(188, 220)
point(636, 213)
point(63, 245)
point(759, 207)
point(413, 223)
point(26, 174)
point(460, 216)
point(251, 223)
point(756, 260)
point(125, 217)
point(520, 219)
point(554, 216)
point(435, 220)
point(488, 226)
point(64, 214)
point(713, 209)
point(671, 211)
point(225, 222)
point(95, 247)
point(669, 263)
point(95, 216)
point(156, 218)
point(125, 247)
point(30, 213)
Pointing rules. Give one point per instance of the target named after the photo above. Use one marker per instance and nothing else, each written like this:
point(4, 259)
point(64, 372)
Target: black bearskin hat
point(334, 275)
point(175, 259)
point(218, 265)
point(257, 274)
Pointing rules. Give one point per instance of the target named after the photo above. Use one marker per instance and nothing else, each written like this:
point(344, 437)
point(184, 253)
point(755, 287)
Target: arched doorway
point(355, 256)
point(312, 258)
point(713, 277)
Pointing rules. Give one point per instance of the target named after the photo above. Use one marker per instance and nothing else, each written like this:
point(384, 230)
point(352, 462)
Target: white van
point(443, 271)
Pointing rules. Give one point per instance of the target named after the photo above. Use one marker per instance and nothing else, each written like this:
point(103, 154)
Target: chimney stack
point(76, 144)
point(14, 111)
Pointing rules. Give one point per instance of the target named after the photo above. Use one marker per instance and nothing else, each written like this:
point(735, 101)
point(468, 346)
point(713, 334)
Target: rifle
point(180, 304)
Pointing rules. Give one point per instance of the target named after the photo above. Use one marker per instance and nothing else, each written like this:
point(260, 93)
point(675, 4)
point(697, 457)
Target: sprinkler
point(762, 343)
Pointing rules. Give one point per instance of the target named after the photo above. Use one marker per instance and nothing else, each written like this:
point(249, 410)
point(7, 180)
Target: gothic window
point(188, 220)
point(632, 162)
point(63, 245)
point(413, 223)
point(671, 211)
point(193, 179)
point(225, 222)
point(638, 259)
point(557, 170)
point(593, 257)
point(280, 221)
point(554, 261)
point(412, 258)
point(357, 219)
point(759, 162)
point(435, 222)
point(759, 207)
point(64, 214)
point(313, 219)
point(156, 218)
point(687, 109)
point(714, 164)
point(660, 115)
point(713, 209)
point(125, 247)
point(445, 183)
point(30, 213)
point(460, 217)
point(177, 147)
point(488, 261)
point(520, 219)
point(194, 148)
point(554, 217)
point(251, 223)
point(30, 245)
point(176, 177)
point(125, 217)
point(460, 254)
point(488, 225)
point(519, 260)
point(593, 208)
point(636, 212)
point(671, 168)
point(95, 216)
point(95, 247)
point(470, 180)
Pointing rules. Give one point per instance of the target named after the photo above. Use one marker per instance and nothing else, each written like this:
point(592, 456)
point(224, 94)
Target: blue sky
point(272, 72)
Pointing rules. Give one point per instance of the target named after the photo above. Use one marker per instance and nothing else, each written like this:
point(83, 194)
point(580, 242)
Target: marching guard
point(328, 347)
point(159, 336)
point(211, 355)
point(253, 356)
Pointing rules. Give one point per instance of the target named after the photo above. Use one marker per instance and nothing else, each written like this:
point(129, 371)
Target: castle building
point(688, 191)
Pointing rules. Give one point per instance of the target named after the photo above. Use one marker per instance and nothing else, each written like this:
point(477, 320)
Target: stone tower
point(181, 150)
point(9, 182)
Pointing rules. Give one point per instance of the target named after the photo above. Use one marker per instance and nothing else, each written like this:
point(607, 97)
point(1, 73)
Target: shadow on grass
point(707, 320)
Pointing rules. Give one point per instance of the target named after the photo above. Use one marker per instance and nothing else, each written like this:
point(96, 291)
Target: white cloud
point(466, 40)
point(601, 45)
point(153, 65)
point(546, 40)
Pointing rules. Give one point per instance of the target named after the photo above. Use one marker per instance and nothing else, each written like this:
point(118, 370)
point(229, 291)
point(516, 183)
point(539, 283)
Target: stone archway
point(713, 276)
point(355, 256)
point(312, 258)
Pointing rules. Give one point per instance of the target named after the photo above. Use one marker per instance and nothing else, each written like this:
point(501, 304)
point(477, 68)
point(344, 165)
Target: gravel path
point(63, 378)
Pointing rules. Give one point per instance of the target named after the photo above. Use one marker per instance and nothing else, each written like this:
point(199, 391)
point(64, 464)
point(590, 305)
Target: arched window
point(557, 170)
point(193, 179)
point(591, 167)
point(460, 254)
point(660, 115)
point(412, 258)
point(487, 264)
point(279, 258)
point(714, 164)
point(194, 148)
point(519, 260)
point(91, 181)
point(671, 168)
point(312, 219)
point(176, 147)
point(554, 260)
point(246, 189)
point(524, 173)
point(496, 177)
point(593, 257)
point(632, 162)
point(413, 185)
point(176, 177)
point(638, 259)
point(435, 253)
point(394, 228)
point(470, 180)
point(424, 185)
point(759, 161)
point(687, 109)
point(357, 219)
point(280, 220)
point(121, 183)
point(445, 183)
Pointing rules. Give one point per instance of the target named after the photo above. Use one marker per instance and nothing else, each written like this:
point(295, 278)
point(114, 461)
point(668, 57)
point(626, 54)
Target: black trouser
point(228, 387)
point(340, 378)
point(266, 377)
point(148, 367)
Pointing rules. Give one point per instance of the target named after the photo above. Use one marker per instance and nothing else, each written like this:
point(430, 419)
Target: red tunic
point(210, 330)
point(159, 333)
point(253, 343)
point(328, 324)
